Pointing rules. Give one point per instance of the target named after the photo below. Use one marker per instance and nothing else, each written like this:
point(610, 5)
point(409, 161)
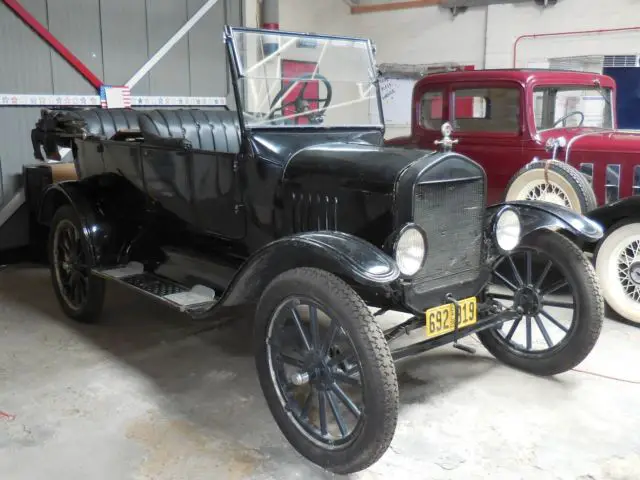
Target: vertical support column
point(270, 15)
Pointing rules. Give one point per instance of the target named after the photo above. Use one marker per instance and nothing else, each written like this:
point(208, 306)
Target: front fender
point(349, 257)
point(95, 228)
point(612, 213)
point(541, 215)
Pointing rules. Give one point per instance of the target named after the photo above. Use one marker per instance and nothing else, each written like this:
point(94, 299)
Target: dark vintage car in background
point(551, 136)
point(292, 207)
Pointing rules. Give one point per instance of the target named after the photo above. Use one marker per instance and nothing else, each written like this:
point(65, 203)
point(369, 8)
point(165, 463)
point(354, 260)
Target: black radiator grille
point(451, 215)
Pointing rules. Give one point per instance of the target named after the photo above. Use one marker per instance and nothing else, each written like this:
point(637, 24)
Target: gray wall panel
point(37, 8)
point(196, 66)
point(16, 123)
point(234, 17)
point(170, 76)
point(124, 40)
point(206, 50)
point(25, 60)
point(234, 13)
point(76, 23)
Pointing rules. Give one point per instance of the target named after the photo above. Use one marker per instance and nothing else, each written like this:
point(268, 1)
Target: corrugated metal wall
point(113, 38)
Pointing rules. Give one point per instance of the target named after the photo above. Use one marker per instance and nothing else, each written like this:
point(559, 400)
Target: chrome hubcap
point(634, 273)
point(629, 270)
point(528, 298)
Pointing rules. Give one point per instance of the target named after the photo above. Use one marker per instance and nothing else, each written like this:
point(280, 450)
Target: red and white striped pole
point(270, 21)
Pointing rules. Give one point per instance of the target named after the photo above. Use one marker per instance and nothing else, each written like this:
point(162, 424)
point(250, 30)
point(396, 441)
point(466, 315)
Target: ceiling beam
point(386, 7)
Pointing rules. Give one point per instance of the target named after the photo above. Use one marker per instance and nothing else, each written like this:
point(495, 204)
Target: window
point(587, 171)
point(487, 110)
point(567, 106)
point(431, 110)
point(612, 186)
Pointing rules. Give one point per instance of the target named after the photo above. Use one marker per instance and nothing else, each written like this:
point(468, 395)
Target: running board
point(189, 300)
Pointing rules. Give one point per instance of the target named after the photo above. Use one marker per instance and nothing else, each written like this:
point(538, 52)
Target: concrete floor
point(145, 396)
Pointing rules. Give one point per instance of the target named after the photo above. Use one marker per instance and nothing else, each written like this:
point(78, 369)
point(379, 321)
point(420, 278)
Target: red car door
point(430, 112)
point(487, 120)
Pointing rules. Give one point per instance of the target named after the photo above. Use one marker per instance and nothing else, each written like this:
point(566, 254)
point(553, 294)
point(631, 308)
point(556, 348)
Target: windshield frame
point(575, 86)
point(237, 74)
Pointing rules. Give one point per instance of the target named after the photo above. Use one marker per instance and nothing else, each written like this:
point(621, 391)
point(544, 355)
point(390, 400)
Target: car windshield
point(289, 79)
point(572, 106)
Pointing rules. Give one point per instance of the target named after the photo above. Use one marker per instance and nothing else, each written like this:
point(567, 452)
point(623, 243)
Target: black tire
point(89, 308)
point(588, 312)
point(373, 433)
point(580, 193)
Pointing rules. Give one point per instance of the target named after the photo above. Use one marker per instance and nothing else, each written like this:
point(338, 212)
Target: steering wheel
point(300, 103)
point(568, 115)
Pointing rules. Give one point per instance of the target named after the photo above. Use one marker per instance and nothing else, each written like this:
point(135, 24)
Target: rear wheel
point(554, 286)
point(618, 267)
point(326, 370)
point(80, 294)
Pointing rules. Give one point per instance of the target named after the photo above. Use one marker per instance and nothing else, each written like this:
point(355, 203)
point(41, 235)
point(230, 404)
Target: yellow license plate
point(441, 320)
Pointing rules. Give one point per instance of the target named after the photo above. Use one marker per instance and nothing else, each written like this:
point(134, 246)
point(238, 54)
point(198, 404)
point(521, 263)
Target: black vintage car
point(291, 206)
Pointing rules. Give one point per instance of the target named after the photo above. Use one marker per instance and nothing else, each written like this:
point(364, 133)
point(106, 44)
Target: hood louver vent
point(313, 212)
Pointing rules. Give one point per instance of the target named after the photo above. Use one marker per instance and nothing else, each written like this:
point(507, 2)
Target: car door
point(199, 185)
point(216, 193)
point(167, 180)
point(487, 120)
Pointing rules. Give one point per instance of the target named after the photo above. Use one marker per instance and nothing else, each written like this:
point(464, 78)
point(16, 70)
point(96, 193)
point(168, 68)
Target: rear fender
point(535, 216)
point(351, 258)
point(95, 227)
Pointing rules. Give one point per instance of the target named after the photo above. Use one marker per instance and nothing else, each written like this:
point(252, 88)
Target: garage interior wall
point(114, 38)
point(481, 36)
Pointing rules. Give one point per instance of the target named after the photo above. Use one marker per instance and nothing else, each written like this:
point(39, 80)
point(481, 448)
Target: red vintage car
point(551, 136)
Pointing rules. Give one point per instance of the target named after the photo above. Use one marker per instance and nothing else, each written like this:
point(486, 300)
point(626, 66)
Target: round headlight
point(508, 230)
point(410, 251)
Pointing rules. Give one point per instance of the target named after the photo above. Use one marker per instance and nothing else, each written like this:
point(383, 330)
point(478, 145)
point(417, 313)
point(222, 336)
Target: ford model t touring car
point(291, 206)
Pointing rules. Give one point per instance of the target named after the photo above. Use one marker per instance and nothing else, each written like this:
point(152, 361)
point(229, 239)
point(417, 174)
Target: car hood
point(597, 139)
point(356, 166)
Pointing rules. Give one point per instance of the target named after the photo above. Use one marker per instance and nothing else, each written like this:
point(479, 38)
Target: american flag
point(120, 97)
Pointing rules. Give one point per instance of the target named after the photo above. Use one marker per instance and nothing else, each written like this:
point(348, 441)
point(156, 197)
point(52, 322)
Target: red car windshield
point(572, 106)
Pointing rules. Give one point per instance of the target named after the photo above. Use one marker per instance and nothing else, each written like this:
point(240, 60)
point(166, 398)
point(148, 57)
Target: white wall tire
point(618, 268)
point(566, 186)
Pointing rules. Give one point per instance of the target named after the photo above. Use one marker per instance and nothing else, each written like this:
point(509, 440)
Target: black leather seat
point(106, 122)
point(211, 130)
point(95, 121)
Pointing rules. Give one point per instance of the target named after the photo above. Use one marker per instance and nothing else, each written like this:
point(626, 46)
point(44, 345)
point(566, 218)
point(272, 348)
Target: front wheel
point(551, 282)
point(326, 370)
